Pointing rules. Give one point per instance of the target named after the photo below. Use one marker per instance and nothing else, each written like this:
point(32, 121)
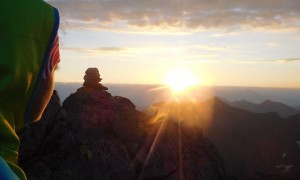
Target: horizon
point(194, 86)
point(145, 94)
point(224, 43)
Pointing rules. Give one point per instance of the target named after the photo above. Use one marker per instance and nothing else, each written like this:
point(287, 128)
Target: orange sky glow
point(228, 43)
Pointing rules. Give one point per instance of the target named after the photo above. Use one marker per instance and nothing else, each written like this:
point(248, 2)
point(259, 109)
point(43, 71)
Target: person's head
point(26, 59)
point(28, 30)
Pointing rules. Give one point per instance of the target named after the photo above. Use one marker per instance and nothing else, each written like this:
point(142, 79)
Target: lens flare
point(180, 80)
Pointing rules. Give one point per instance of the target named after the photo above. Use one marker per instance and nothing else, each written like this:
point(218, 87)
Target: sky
point(221, 42)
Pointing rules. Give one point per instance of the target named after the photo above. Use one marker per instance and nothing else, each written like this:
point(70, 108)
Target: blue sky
point(230, 43)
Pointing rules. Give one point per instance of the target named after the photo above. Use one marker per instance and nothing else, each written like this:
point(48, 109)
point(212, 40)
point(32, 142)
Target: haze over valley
point(146, 95)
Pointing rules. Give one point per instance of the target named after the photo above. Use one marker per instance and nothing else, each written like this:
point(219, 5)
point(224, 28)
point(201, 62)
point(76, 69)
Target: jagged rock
point(97, 136)
point(124, 101)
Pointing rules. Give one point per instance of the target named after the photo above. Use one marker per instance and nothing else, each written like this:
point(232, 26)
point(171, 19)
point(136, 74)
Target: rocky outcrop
point(94, 135)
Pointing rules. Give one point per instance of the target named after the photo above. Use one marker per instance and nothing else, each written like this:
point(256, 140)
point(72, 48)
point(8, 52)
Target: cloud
point(282, 60)
point(101, 51)
point(286, 60)
point(156, 51)
point(211, 48)
point(110, 49)
point(181, 14)
point(273, 44)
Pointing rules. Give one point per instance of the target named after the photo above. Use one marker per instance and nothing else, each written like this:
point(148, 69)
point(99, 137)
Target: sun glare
point(180, 80)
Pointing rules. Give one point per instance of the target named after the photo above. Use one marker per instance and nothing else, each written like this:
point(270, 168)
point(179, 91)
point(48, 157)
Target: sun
point(180, 80)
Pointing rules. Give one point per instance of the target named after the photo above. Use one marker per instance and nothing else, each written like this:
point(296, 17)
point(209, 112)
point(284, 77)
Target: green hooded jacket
point(27, 31)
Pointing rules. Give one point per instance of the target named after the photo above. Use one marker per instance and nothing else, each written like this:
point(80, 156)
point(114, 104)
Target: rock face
point(94, 135)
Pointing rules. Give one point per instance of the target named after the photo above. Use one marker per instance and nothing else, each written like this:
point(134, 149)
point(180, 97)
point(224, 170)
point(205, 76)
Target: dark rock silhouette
point(94, 135)
point(92, 79)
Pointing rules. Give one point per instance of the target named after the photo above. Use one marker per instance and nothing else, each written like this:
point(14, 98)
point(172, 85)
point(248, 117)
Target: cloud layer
point(285, 60)
point(188, 14)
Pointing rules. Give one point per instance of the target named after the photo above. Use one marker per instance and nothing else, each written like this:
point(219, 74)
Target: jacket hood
point(27, 32)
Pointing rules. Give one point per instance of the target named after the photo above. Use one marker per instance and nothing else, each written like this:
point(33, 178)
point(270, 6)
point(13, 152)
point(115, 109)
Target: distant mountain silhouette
point(281, 109)
point(237, 94)
point(251, 144)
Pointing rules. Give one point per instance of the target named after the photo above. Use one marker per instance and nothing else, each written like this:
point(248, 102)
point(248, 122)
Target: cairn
point(92, 79)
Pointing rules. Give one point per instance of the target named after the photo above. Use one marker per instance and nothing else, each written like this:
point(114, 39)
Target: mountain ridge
point(248, 142)
point(266, 106)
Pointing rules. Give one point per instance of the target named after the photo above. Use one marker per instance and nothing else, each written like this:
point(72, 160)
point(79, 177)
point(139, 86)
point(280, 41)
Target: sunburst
point(180, 80)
